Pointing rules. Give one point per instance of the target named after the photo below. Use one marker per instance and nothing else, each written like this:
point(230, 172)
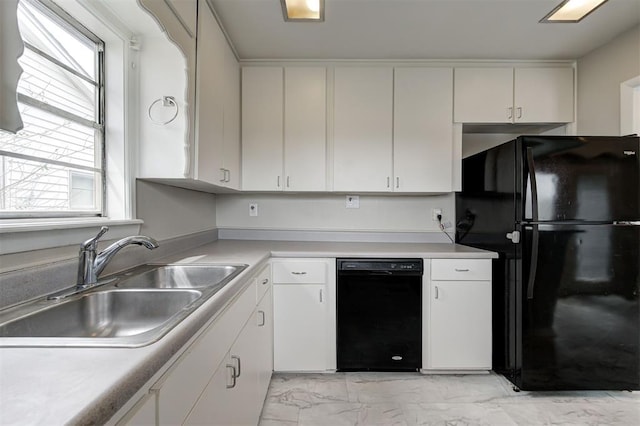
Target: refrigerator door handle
point(534, 184)
point(514, 236)
point(533, 266)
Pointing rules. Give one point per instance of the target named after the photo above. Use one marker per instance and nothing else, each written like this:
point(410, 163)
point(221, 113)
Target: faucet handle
point(91, 242)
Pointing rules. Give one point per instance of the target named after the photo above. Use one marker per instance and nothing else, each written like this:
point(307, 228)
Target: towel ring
point(167, 101)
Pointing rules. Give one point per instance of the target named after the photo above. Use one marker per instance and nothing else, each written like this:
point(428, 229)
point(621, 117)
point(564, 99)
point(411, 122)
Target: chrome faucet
point(91, 264)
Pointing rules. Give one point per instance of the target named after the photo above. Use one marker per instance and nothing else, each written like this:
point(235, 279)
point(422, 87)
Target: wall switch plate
point(353, 201)
point(435, 213)
point(253, 209)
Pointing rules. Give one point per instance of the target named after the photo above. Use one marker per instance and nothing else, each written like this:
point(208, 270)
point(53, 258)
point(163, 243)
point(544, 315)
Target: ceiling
point(421, 29)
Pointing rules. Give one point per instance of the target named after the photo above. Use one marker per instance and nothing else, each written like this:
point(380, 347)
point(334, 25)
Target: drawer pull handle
point(263, 320)
point(265, 281)
point(462, 270)
point(237, 358)
point(299, 273)
point(233, 376)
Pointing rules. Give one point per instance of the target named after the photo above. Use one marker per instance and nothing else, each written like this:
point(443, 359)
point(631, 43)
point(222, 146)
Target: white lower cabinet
point(230, 397)
point(457, 315)
point(304, 315)
point(222, 378)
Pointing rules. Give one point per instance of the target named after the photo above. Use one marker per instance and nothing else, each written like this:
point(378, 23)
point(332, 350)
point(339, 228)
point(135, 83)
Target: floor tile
point(367, 398)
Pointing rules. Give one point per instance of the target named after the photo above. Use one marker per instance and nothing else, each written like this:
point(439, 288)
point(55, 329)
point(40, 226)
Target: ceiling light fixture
point(303, 10)
point(572, 10)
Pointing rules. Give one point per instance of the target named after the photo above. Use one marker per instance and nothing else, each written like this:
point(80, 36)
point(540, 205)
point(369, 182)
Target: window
point(54, 166)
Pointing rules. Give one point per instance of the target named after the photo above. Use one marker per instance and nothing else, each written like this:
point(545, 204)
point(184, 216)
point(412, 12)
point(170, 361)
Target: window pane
point(46, 82)
point(82, 190)
point(50, 137)
point(29, 186)
point(52, 38)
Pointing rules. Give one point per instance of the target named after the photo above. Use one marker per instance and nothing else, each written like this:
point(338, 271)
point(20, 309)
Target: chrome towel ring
point(167, 101)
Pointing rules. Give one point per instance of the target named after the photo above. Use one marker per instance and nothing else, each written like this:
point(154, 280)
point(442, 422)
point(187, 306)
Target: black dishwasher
point(379, 314)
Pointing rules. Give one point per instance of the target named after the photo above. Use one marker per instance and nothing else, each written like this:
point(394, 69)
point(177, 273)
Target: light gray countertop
point(89, 385)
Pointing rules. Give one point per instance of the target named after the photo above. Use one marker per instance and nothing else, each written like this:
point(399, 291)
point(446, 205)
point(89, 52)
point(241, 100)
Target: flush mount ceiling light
point(572, 10)
point(303, 10)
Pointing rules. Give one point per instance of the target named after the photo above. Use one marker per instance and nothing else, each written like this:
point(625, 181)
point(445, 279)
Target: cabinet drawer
point(263, 282)
point(305, 272)
point(461, 269)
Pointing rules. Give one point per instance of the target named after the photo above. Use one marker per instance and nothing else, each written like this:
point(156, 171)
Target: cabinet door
point(299, 327)
point(209, 98)
point(231, 395)
point(216, 405)
point(264, 344)
point(543, 95)
point(363, 123)
point(483, 95)
point(423, 129)
point(305, 105)
point(262, 128)
point(460, 325)
point(231, 125)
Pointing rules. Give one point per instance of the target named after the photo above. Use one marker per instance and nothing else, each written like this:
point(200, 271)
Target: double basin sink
point(132, 309)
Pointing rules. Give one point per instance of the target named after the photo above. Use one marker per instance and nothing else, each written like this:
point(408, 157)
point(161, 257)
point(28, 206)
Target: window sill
point(21, 235)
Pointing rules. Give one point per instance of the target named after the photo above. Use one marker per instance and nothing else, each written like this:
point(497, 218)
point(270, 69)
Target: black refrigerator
point(563, 213)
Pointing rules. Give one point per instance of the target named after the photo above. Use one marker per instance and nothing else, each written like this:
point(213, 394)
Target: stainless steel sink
point(134, 308)
point(182, 276)
point(111, 313)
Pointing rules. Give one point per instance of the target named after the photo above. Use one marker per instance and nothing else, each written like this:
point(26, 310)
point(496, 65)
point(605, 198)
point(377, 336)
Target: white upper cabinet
point(262, 128)
point(231, 121)
point(209, 98)
point(218, 105)
point(543, 95)
point(209, 152)
point(305, 135)
point(483, 95)
point(363, 129)
point(284, 129)
point(508, 95)
point(423, 130)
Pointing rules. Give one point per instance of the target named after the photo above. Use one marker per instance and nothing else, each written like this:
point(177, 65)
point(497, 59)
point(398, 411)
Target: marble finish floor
point(416, 399)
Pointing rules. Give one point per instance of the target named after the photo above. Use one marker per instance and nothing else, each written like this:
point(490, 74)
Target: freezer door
point(580, 308)
point(593, 179)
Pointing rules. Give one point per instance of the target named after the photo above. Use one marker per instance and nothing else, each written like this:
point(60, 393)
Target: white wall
point(327, 212)
point(600, 73)
point(170, 212)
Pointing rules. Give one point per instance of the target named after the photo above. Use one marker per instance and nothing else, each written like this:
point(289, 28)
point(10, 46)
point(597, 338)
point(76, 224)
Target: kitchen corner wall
point(600, 74)
point(170, 212)
point(327, 212)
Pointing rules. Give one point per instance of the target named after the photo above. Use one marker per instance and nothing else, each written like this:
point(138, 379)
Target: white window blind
point(54, 165)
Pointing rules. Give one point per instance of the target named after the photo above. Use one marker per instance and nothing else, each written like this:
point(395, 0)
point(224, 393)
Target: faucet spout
point(91, 264)
point(103, 259)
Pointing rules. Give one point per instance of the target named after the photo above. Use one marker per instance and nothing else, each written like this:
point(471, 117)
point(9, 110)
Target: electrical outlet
point(435, 213)
point(353, 201)
point(253, 209)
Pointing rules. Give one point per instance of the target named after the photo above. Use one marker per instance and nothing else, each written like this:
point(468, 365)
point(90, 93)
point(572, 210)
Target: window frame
point(71, 24)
